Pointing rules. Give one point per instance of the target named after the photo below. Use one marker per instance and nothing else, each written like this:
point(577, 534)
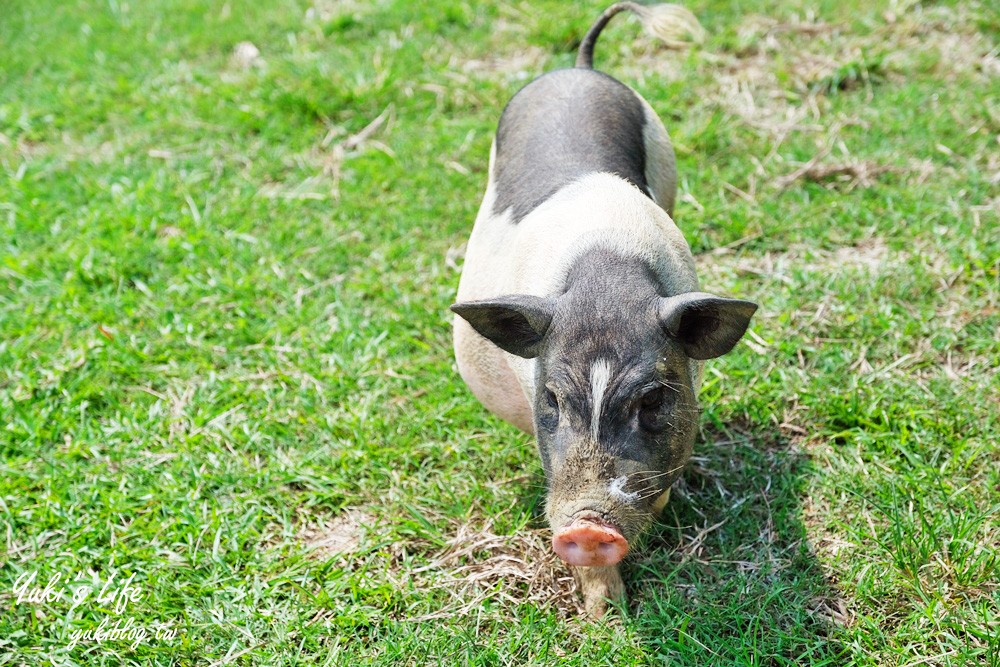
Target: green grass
point(224, 329)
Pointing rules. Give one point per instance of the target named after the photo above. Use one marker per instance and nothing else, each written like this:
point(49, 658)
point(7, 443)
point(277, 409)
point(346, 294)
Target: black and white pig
point(579, 317)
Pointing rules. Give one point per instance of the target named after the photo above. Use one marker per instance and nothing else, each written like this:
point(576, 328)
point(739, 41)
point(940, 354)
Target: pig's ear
point(706, 325)
point(515, 323)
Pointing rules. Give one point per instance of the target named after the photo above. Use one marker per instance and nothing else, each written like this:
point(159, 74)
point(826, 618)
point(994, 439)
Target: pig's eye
point(548, 419)
point(653, 399)
point(649, 409)
point(551, 400)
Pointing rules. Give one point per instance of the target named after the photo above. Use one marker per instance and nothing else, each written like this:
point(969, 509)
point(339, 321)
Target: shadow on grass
point(728, 575)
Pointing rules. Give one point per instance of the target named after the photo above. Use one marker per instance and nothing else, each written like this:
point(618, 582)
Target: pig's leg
point(598, 584)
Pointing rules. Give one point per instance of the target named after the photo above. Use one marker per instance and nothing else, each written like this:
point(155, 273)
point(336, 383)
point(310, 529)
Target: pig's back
point(562, 126)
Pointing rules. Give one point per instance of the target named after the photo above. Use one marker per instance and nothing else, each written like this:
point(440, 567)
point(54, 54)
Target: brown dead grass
point(66, 151)
point(327, 537)
point(477, 564)
point(852, 174)
point(770, 83)
point(340, 535)
point(950, 33)
point(520, 63)
point(869, 259)
point(871, 256)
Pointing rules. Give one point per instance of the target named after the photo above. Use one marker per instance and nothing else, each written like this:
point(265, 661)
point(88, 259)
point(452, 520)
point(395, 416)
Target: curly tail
point(672, 24)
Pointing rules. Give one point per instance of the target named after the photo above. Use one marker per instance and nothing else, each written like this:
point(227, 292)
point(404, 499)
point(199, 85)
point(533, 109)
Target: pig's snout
point(588, 541)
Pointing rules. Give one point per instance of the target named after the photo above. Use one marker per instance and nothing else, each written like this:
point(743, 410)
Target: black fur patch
point(561, 126)
point(609, 312)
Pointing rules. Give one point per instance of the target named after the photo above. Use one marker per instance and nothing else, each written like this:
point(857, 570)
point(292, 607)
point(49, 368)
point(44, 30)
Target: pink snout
point(589, 542)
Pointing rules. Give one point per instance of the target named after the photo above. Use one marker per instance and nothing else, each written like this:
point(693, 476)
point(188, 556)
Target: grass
point(225, 359)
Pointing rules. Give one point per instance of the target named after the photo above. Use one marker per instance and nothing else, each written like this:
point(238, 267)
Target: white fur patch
point(600, 373)
point(617, 490)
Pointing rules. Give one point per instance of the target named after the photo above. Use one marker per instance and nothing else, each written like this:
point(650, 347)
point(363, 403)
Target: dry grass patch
point(338, 535)
point(870, 256)
point(848, 174)
point(17, 154)
point(326, 537)
point(948, 32)
point(777, 78)
point(519, 63)
point(477, 565)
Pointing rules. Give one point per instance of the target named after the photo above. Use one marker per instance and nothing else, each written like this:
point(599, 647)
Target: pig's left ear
point(515, 323)
point(706, 325)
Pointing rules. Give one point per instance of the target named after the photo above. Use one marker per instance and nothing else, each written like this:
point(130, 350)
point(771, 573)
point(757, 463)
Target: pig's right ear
point(706, 325)
point(515, 323)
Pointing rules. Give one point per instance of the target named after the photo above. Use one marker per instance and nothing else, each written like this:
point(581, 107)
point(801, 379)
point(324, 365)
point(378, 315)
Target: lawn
point(230, 421)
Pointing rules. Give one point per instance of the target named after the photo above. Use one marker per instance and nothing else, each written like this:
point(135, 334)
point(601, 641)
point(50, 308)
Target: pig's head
point(615, 392)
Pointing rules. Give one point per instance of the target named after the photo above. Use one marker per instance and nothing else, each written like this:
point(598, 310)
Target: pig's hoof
point(588, 543)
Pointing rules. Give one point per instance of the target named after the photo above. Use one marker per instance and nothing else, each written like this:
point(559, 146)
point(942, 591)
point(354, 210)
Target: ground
point(229, 235)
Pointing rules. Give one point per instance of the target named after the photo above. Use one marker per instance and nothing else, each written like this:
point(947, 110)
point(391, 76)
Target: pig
point(579, 317)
